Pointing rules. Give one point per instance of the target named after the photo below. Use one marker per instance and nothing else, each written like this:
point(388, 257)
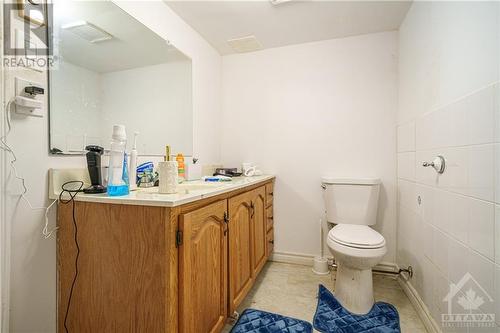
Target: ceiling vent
point(245, 44)
point(278, 2)
point(88, 31)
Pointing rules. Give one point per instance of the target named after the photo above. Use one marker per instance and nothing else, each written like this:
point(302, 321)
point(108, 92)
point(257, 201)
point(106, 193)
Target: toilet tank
point(351, 200)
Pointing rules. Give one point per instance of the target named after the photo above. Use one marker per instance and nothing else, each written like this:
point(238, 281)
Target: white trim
point(420, 307)
point(4, 227)
point(308, 260)
point(388, 267)
point(292, 258)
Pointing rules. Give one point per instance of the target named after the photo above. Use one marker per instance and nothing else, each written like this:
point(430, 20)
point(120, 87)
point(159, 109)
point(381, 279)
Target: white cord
point(46, 233)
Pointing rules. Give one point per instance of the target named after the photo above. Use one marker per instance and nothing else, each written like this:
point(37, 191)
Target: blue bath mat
point(256, 321)
point(331, 317)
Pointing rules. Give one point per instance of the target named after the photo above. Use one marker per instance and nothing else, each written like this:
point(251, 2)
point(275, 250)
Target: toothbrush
point(133, 164)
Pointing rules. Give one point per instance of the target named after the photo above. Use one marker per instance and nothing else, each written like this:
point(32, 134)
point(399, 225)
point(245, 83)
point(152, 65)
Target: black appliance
point(94, 154)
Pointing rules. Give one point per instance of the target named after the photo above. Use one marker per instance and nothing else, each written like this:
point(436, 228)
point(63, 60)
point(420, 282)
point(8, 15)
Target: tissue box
point(192, 171)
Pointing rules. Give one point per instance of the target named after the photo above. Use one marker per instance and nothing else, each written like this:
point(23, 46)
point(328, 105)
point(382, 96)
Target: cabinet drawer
point(270, 242)
point(269, 218)
point(269, 194)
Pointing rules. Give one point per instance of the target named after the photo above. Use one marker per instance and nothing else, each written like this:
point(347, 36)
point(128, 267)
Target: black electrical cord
point(72, 194)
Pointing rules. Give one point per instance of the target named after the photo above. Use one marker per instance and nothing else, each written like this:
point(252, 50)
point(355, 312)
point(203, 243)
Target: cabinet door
point(203, 269)
point(240, 248)
point(259, 229)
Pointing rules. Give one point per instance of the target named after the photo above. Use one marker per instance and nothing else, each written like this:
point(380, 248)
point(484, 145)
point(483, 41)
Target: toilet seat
point(356, 236)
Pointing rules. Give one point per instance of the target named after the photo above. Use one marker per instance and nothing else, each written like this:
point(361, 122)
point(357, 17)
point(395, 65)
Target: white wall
point(304, 111)
point(33, 259)
point(448, 104)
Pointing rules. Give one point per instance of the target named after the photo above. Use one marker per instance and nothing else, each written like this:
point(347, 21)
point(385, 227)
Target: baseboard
point(422, 310)
point(307, 260)
point(292, 258)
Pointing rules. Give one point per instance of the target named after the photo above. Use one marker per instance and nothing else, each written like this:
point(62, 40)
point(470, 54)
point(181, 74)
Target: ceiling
point(133, 44)
point(288, 23)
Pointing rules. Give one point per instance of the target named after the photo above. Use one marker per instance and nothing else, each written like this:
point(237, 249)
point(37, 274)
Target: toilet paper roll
point(169, 177)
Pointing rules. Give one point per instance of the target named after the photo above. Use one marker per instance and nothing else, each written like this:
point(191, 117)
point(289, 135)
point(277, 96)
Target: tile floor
point(291, 290)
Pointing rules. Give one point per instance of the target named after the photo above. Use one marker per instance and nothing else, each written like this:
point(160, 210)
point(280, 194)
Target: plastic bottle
point(181, 166)
point(118, 173)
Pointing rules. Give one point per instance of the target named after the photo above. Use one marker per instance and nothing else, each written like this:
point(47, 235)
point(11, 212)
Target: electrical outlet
point(19, 88)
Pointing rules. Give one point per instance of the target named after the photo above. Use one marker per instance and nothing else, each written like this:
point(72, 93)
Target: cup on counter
point(248, 169)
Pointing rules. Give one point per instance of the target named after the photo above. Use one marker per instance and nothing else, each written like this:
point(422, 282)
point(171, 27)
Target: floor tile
point(291, 290)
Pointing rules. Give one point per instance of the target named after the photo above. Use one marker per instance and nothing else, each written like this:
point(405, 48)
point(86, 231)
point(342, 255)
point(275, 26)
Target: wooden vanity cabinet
point(162, 269)
point(203, 269)
point(269, 219)
point(240, 248)
point(247, 243)
point(259, 230)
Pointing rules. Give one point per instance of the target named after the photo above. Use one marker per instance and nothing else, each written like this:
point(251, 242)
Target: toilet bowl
point(356, 249)
point(352, 205)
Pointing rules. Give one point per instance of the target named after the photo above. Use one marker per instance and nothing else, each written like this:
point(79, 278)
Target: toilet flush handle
point(439, 164)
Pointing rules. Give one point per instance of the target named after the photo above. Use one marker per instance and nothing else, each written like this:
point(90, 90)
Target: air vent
point(279, 2)
point(88, 31)
point(245, 44)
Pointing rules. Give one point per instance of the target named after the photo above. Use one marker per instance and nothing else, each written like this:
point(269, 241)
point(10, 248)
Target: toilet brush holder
point(320, 266)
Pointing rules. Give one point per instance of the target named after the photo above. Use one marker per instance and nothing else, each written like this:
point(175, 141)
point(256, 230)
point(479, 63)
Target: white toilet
point(352, 204)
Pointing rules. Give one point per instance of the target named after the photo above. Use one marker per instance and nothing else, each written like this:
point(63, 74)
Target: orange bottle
point(181, 165)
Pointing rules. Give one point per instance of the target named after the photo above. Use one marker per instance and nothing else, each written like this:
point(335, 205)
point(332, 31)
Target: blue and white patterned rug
point(331, 317)
point(256, 321)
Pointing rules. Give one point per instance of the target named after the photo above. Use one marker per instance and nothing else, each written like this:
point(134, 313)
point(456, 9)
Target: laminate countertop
point(188, 191)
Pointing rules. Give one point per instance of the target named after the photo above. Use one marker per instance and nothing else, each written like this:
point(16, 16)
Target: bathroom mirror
point(111, 69)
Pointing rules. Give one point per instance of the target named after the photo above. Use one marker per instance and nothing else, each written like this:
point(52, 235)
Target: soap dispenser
point(169, 174)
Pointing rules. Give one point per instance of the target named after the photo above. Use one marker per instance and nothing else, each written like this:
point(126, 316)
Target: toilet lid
point(359, 236)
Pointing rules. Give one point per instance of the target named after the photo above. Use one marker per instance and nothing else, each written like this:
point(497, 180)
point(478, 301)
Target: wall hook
point(439, 164)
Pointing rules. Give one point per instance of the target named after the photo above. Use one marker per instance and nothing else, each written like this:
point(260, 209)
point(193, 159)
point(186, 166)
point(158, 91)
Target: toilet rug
point(256, 321)
point(331, 317)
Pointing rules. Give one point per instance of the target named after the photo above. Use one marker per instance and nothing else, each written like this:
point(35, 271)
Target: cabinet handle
point(271, 193)
point(271, 241)
point(226, 223)
point(253, 210)
point(270, 218)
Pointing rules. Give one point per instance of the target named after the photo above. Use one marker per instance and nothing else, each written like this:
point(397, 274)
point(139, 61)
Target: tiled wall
point(456, 226)
point(449, 224)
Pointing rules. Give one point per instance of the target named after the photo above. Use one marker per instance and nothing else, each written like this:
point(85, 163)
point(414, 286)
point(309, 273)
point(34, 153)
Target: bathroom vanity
point(163, 263)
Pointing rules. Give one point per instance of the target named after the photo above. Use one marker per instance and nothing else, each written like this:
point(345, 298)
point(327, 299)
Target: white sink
point(185, 188)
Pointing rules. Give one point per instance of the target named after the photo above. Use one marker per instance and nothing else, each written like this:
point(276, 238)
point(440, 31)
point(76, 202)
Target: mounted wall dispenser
point(26, 100)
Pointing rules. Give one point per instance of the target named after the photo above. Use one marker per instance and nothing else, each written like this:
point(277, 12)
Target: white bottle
point(117, 179)
point(133, 165)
